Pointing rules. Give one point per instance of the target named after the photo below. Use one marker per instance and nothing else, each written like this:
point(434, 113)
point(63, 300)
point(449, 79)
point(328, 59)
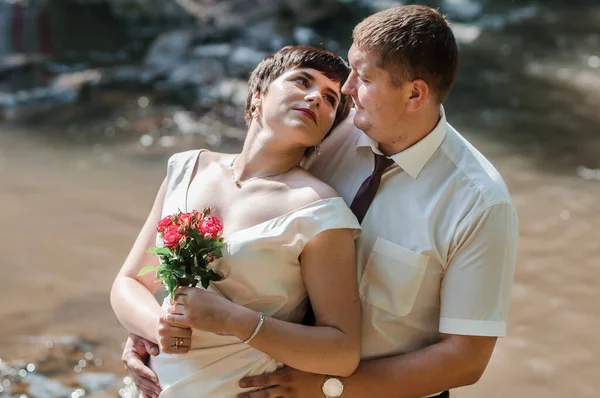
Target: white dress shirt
point(438, 247)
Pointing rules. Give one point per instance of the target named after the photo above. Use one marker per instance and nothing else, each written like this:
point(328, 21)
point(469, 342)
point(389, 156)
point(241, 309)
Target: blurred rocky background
point(96, 94)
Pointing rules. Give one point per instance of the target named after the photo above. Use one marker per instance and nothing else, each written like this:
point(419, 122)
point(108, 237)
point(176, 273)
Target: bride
point(288, 238)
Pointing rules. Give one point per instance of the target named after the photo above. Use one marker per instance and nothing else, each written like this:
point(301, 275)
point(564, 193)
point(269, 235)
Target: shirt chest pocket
point(392, 277)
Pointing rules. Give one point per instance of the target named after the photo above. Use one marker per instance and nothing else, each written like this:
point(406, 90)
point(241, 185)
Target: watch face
point(333, 387)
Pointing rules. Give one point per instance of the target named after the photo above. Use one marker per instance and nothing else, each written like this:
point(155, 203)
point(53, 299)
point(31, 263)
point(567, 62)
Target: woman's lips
point(308, 113)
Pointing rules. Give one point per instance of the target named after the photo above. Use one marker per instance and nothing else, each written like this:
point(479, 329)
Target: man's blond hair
point(411, 42)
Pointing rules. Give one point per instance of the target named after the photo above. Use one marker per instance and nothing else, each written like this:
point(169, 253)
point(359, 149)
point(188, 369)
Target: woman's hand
point(200, 309)
point(173, 339)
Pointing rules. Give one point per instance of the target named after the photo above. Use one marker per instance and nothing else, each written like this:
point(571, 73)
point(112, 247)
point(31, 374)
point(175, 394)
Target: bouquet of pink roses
point(191, 242)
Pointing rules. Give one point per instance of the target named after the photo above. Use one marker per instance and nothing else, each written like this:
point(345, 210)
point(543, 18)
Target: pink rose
point(164, 223)
point(196, 216)
point(211, 227)
point(171, 236)
point(182, 241)
point(185, 219)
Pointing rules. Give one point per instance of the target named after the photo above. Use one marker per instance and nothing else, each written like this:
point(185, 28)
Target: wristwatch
point(332, 387)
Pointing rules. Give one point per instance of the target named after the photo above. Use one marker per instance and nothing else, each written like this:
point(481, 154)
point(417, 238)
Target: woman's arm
point(132, 296)
point(331, 347)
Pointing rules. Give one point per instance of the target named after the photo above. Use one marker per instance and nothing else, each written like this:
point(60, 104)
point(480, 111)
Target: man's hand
point(284, 383)
point(136, 353)
point(168, 335)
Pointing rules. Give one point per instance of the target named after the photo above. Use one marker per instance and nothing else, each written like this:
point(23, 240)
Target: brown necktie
point(366, 193)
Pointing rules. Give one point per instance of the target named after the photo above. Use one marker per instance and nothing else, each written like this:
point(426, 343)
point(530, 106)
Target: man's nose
point(349, 86)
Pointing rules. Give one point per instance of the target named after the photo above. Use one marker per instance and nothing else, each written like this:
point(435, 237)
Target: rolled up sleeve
point(476, 285)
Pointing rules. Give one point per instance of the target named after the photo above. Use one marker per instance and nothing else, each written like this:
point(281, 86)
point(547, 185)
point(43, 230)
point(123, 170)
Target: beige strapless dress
point(262, 272)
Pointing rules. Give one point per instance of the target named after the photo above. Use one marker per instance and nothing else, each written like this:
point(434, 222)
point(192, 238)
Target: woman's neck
point(264, 155)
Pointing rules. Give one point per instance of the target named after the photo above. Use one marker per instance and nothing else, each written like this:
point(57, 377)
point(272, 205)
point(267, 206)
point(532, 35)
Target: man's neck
point(411, 133)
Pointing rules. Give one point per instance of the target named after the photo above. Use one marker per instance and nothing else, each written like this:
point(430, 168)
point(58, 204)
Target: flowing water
point(78, 180)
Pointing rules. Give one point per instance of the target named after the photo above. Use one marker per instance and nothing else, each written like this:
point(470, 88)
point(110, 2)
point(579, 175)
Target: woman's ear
point(256, 99)
point(255, 104)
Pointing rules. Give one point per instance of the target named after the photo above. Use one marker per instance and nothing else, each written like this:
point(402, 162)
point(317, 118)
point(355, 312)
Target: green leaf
point(180, 273)
point(205, 283)
point(162, 272)
point(160, 251)
point(147, 269)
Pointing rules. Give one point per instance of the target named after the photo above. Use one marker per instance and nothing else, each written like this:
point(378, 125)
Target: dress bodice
point(261, 271)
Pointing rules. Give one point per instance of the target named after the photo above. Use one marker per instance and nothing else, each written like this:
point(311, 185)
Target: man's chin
point(360, 121)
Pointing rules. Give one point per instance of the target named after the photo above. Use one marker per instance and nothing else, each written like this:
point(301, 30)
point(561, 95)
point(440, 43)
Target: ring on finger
point(178, 342)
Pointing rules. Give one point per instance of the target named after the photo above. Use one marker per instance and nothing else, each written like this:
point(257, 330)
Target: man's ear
point(419, 95)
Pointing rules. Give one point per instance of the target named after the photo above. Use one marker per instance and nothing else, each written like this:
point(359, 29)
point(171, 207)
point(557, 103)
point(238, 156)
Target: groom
point(437, 253)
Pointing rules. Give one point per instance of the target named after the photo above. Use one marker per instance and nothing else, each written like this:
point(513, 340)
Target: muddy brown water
point(69, 215)
point(74, 193)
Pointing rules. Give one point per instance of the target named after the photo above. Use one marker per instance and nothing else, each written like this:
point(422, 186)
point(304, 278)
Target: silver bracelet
point(260, 323)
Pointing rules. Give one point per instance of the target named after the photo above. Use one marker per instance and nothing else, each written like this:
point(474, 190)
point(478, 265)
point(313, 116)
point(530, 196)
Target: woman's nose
point(314, 96)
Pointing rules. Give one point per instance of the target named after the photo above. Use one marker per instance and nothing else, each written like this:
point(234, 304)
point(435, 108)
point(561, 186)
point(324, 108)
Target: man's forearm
point(433, 369)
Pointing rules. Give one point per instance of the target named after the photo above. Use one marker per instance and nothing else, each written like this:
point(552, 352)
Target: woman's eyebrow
point(328, 89)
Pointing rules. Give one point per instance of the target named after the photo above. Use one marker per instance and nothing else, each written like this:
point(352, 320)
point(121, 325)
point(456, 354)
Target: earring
point(254, 112)
point(318, 150)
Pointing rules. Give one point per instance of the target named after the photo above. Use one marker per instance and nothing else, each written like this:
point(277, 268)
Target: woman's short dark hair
point(296, 57)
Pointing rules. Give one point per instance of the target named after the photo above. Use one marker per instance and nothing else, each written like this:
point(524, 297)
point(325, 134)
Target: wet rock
point(379, 5)
point(305, 36)
point(305, 12)
point(170, 49)
point(40, 386)
point(462, 9)
point(265, 34)
point(132, 74)
point(197, 72)
point(4, 369)
point(16, 62)
point(7, 100)
point(58, 367)
point(147, 8)
point(75, 80)
point(187, 123)
point(38, 96)
point(218, 51)
point(243, 60)
point(233, 91)
point(129, 390)
point(94, 382)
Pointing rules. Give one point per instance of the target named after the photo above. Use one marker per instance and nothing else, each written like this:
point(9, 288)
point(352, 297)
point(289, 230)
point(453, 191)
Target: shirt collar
point(413, 159)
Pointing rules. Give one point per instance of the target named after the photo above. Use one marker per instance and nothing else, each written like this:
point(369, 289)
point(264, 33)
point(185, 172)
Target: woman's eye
point(331, 99)
point(302, 80)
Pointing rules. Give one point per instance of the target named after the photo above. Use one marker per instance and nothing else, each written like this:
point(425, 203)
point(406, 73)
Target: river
point(79, 180)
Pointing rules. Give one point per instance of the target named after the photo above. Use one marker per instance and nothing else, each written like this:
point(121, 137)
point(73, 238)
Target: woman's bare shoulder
point(207, 158)
point(305, 188)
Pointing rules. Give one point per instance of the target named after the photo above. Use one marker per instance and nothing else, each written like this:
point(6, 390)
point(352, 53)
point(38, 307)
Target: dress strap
point(180, 171)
